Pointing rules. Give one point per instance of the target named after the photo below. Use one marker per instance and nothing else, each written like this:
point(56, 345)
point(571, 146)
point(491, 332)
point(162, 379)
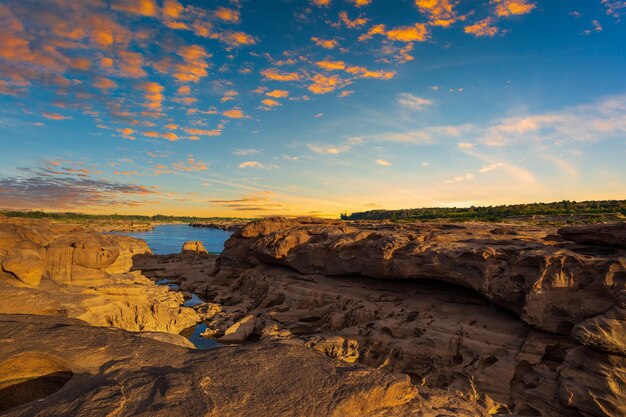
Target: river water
point(169, 238)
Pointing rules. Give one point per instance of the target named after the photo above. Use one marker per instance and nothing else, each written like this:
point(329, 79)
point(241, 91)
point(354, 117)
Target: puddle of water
point(193, 333)
point(201, 343)
point(193, 301)
point(167, 282)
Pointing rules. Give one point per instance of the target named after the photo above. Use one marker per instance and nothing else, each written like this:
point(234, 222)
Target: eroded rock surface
point(527, 306)
point(56, 270)
point(134, 375)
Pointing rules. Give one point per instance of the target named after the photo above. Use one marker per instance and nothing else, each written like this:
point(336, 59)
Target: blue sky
point(251, 108)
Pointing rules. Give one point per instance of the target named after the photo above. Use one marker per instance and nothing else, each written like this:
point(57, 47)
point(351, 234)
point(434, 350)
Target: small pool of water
point(169, 238)
point(201, 343)
point(193, 301)
point(169, 284)
point(193, 333)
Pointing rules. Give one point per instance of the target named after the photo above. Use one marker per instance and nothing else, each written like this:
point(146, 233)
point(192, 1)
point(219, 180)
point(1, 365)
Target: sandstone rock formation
point(194, 246)
point(533, 323)
point(239, 331)
point(51, 269)
point(61, 364)
point(612, 234)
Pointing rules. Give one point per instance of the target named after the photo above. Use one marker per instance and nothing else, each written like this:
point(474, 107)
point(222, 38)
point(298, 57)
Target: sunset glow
point(251, 108)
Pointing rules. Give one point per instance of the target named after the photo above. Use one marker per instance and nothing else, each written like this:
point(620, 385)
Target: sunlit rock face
point(50, 269)
point(69, 373)
point(532, 325)
point(194, 247)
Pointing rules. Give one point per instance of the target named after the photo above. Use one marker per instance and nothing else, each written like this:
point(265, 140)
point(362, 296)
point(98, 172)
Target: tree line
point(495, 213)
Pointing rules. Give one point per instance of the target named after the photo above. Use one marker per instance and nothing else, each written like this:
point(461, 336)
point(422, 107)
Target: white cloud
point(604, 119)
point(461, 178)
point(256, 164)
point(245, 152)
point(383, 162)
point(465, 145)
point(411, 102)
point(490, 167)
point(328, 149)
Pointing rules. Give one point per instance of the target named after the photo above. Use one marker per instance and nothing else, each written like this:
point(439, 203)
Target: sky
point(250, 108)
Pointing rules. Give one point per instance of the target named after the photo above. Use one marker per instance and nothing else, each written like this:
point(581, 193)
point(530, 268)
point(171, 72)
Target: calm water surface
point(169, 238)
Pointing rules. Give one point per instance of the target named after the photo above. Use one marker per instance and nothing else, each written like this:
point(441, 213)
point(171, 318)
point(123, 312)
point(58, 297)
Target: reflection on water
point(202, 343)
point(167, 282)
point(169, 238)
point(193, 301)
point(192, 333)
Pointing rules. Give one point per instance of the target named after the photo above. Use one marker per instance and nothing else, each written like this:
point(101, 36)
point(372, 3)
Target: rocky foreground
point(521, 320)
point(339, 320)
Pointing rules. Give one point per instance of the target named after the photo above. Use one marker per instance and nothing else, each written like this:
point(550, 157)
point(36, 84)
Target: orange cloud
point(228, 95)
point(184, 90)
point(140, 7)
point(323, 84)
point(194, 66)
point(374, 30)
point(439, 12)
point(513, 7)
point(171, 126)
point(129, 64)
point(191, 164)
point(325, 43)
point(55, 116)
point(227, 15)
point(153, 93)
point(202, 132)
point(352, 24)
point(234, 114)
point(361, 3)
point(482, 28)
point(275, 75)
point(278, 93)
point(235, 39)
point(418, 32)
point(363, 72)
point(172, 9)
point(268, 102)
point(167, 135)
point(331, 65)
point(104, 83)
point(321, 3)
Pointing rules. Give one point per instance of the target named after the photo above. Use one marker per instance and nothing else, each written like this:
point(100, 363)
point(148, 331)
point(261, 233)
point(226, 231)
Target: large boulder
point(239, 331)
point(25, 264)
point(194, 247)
point(609, 234)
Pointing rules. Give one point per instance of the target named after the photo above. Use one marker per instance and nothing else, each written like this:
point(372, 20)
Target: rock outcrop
point(52, 269)
point(195, 247)
point(239, 331)
point(533, 323)
point(612, 234)
point(52, 366)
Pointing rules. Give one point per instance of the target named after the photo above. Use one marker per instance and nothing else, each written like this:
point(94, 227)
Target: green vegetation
point(81, 217)
point(591, 211)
